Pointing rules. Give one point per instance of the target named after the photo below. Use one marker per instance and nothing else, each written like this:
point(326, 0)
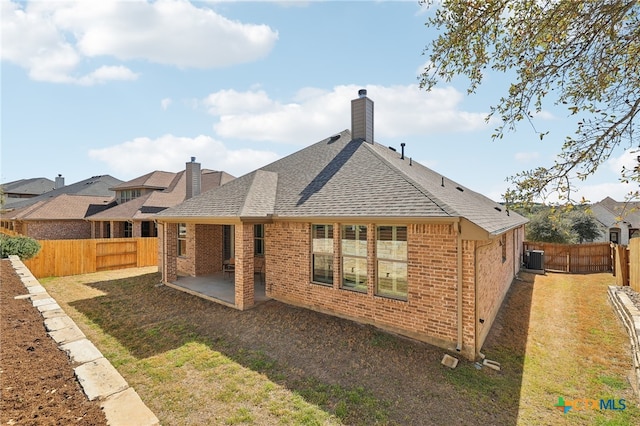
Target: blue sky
point(127, 87)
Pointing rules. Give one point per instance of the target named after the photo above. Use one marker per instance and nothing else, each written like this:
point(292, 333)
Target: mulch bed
point(38, 386)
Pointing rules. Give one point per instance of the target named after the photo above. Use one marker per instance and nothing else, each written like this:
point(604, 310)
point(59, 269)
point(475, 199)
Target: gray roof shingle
point(341, 177)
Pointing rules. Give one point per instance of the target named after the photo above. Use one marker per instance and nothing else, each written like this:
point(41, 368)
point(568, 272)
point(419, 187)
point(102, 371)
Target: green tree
point(584, 226)
point(544, 227)
point(584, 54)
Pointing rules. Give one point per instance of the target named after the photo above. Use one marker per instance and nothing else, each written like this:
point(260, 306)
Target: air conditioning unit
point(535, 260)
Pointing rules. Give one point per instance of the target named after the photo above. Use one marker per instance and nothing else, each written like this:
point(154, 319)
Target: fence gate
point(573, 258)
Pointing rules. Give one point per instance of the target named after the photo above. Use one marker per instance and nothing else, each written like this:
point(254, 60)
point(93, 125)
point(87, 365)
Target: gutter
point(460, 282)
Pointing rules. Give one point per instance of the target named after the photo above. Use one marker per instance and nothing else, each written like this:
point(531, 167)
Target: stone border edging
point(630, 317)
point(100, 381)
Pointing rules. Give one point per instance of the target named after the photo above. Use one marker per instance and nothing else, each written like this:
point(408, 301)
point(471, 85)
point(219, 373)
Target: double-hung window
point(391, 252)
point(354, 257)
point(322, 253)
point(258, 239)
point(182, 239)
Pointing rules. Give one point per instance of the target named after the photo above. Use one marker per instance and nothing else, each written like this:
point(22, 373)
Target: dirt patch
point(37, 379)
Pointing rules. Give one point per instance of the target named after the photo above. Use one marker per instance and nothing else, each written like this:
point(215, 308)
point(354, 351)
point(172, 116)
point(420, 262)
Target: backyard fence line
point(574, 258)
point(73, 257)
point(627, 264)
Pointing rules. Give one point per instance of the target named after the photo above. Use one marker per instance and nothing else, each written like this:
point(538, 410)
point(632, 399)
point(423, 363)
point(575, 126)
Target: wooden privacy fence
point(574, 258)
point(627, 264)
point(72, 257)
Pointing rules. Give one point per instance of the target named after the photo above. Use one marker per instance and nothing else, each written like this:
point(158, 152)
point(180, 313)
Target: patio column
point(244, 278)
point(169, 251)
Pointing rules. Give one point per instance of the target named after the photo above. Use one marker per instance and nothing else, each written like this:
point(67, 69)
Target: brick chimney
point(194, 178)
point(59, 182)
point(362, 117)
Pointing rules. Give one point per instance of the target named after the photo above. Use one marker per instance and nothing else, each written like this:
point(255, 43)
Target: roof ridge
point(437, 201)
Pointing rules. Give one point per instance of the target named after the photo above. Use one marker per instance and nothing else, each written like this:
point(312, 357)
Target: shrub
point(23, 247)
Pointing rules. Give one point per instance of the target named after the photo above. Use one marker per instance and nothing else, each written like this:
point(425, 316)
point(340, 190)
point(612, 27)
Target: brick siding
point(430, 312)
point(57, 229)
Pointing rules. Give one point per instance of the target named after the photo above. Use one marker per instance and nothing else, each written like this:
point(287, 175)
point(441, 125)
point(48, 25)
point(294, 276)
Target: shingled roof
point(93, 186)
point(33, 187)
point(62, 207)
point(170, 191)
point(345, 177)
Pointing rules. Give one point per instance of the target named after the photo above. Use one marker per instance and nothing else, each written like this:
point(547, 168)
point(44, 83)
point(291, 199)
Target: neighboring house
point(26, 188)
point(355, 229)
point(96, 186)
point(139, 199)
point(620, 220)
point(57, 218)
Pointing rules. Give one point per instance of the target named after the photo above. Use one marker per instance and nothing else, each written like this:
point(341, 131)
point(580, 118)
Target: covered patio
point(218, 287)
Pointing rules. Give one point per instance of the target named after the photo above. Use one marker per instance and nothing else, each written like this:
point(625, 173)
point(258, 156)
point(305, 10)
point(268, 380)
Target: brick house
point(355, 229)
point(60, 213)
point(138, 200)
point(58, 218)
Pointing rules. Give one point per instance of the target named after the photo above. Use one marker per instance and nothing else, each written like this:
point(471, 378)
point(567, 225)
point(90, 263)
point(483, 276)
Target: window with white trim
point(354, 257)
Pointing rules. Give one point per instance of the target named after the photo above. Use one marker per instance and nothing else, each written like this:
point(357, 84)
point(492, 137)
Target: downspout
point(459, 267)
point(164, 252)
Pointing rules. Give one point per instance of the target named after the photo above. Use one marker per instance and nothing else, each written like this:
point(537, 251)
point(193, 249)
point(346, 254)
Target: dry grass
point(195, 362)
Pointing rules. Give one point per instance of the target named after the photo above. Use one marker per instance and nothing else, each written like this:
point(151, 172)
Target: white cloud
point(628, 160)
point(314, 113)
point(165, 103)
point(525, 157)
point(169, 153)
point(107, 73)
point(51, 39)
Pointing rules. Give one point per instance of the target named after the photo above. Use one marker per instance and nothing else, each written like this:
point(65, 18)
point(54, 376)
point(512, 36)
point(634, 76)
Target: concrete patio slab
point(66, 335)
point(126, 408)
point(81, 351)
point(100, 379)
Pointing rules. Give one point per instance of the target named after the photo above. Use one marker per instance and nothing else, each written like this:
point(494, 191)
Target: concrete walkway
point(99, 379)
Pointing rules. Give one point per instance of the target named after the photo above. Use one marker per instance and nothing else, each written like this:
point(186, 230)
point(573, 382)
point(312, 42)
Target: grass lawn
point(196, 362)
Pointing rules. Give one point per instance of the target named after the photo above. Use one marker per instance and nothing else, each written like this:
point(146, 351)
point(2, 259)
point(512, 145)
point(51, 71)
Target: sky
point(126, 87)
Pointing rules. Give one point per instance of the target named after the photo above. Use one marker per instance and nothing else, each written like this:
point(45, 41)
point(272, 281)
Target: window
point(354, 257)
point(391, 252)
point(258, 239)
point(322, 253)
point(614, 236)
point(128, 195)
point(182, 239)
point(128, 229)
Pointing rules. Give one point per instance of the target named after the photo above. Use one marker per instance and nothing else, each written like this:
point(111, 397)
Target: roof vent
point(459, 189)
point(362, 93)
point(402, 149)
point(392, 149)
point(498, 209)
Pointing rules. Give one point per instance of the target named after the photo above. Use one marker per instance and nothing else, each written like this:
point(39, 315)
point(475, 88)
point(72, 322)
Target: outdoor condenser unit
point(535, 260)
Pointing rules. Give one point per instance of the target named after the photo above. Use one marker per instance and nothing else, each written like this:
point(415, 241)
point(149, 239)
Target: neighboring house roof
point(33, 186)
point(147, 205)
point(154, 180)
point(341, 177)
point(613, 213)
point(94, 186)
point(62, 207)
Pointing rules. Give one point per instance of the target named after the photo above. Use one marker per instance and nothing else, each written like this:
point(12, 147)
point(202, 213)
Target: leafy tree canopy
point(584, 54)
